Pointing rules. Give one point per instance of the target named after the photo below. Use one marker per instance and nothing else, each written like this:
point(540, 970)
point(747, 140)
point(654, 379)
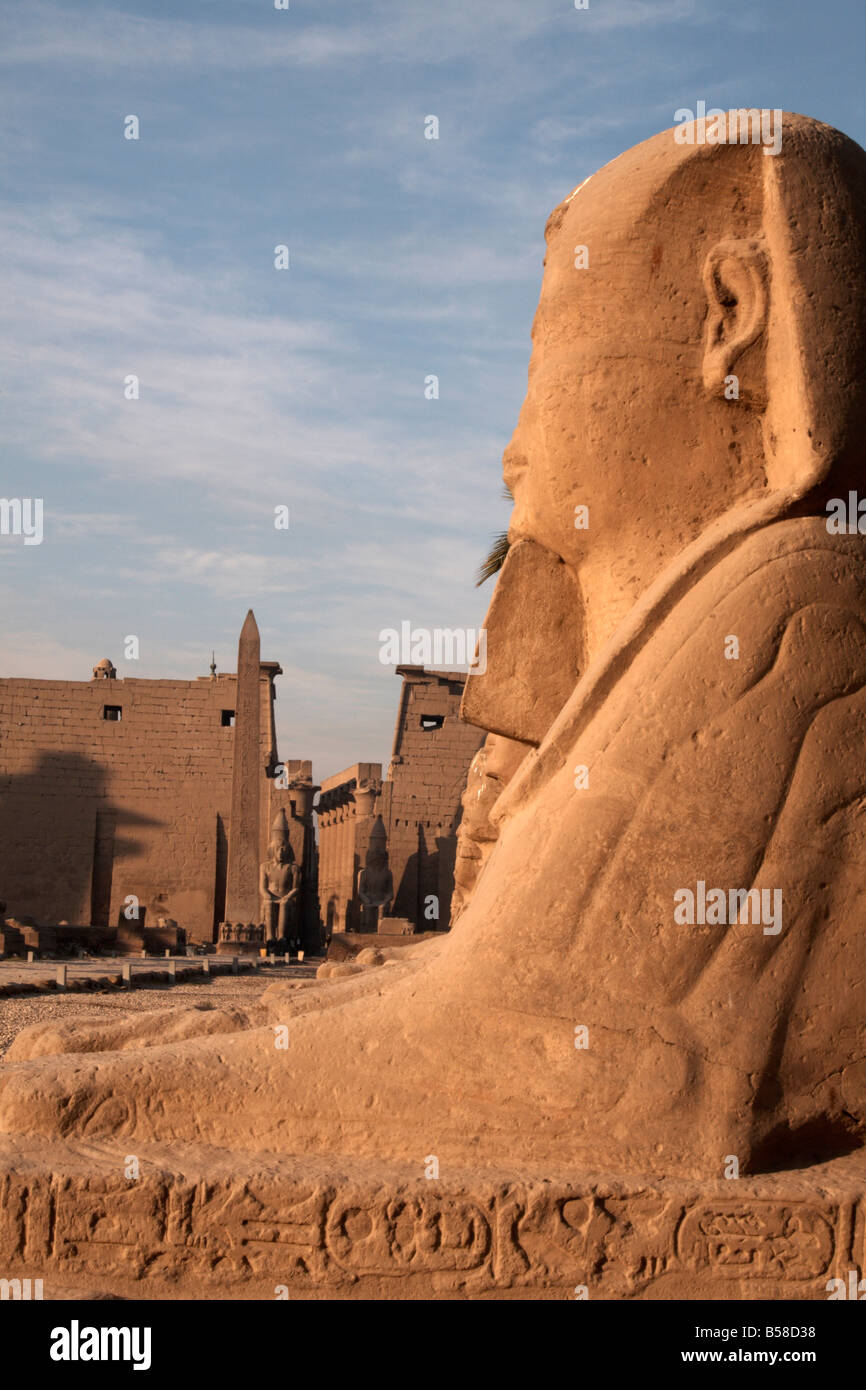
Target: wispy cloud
point(45, 33)
point(385, 29)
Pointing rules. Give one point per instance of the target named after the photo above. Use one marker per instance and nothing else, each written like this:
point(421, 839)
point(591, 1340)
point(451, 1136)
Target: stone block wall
point(426, 779)
point(94, 808)
point(419, 804)
point(340, 844)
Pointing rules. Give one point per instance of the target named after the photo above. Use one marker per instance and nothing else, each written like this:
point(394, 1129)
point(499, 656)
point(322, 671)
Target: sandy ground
point(239, 990)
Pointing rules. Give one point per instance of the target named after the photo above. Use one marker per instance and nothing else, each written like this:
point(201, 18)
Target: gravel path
point(239, 990)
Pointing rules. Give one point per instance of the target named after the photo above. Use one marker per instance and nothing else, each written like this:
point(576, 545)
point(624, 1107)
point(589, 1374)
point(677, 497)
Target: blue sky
point(260, 387)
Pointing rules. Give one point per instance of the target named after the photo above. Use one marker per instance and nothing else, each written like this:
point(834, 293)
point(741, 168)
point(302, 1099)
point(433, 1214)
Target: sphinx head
point(699, 347)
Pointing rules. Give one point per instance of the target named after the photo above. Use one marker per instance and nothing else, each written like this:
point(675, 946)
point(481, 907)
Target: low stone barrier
point(131, 973)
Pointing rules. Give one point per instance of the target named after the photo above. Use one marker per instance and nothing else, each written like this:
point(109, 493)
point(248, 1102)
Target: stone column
point(343, 874)
point(242, 885)
point(365, 794)
point(324, 859)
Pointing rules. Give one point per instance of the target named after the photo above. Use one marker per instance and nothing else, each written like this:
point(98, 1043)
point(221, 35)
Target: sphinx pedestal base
point(202, 1223)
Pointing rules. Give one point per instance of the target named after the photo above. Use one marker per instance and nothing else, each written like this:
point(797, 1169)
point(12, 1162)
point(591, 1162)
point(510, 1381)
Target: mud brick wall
point(94, 809)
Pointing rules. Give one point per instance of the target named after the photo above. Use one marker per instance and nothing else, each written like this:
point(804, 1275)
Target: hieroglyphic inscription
point(514, 1235)
point(379, 1234)
point(759, 1240)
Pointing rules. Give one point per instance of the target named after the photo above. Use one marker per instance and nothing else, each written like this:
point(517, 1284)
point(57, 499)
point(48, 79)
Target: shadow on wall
point(59, 841)
point(427, 882)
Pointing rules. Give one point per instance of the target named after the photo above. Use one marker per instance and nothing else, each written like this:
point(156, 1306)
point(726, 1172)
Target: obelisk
point(242, 883)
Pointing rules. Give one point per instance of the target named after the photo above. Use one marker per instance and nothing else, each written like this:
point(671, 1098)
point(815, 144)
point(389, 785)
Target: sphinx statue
point(679, 641)
point(489, 773)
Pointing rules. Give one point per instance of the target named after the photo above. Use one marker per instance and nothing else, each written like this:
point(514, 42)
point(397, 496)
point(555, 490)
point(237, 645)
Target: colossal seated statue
point(682, 642)
point(279, 884)
point(375, 881)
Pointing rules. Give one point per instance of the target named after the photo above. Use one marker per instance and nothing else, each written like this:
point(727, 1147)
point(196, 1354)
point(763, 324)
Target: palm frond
point(494, 560)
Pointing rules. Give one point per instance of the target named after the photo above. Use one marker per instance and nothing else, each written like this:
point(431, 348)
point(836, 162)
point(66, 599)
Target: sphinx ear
point(735, 280)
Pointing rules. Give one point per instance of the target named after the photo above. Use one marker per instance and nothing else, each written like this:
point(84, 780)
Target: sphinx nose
point(514, 465)
point(515, 469)
point(515, 460)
